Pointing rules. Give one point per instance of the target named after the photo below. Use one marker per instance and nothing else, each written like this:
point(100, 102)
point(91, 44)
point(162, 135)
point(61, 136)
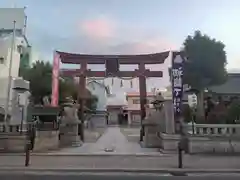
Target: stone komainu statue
point(154, 123)
point(155, 113)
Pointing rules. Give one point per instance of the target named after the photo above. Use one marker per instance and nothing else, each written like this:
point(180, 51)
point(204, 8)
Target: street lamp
point(22, 88)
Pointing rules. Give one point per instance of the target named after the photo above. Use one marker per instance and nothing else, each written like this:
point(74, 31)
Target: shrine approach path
point(112, 142)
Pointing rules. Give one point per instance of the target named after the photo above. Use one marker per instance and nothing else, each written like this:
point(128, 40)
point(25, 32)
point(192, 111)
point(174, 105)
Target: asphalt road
point(108, 176)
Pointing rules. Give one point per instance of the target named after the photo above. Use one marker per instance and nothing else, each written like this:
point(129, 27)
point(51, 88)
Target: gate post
point(81, 96)
point(143, 95)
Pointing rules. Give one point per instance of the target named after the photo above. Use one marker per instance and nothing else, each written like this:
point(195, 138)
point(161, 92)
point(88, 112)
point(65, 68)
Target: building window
point(1, 60)
point(136, 101)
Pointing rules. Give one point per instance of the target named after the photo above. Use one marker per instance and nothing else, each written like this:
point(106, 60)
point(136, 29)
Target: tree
point(24, 63)
point(233, 112)
point(67, 88)
point(40, 78)
point(206, 64)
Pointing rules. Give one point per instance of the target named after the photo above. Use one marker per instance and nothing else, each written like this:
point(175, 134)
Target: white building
point(101, 91)
point(133, 106)
point(21, 45)
point(8, 15)
point(5, 56)
point(21, 53)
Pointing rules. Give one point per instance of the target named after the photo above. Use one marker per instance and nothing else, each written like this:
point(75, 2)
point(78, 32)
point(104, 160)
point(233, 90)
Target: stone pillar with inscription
point(177, 88)
point(172, 106)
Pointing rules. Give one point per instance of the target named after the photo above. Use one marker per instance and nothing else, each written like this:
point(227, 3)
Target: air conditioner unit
point(1, 59)
point(20, 49)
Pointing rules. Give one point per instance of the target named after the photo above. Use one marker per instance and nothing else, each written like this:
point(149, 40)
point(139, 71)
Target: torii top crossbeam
point(71, 58)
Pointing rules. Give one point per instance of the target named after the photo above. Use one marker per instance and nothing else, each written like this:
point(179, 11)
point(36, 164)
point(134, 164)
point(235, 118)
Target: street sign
point(192, 100)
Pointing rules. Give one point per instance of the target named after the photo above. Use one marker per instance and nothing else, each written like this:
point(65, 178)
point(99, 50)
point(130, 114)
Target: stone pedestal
point(12, 143)
point(205, 144)
point(46, 140)
point(69, 134)
point(169, 142)
point(150, 139)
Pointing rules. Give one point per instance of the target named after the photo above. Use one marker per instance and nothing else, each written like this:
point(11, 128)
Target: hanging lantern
point(112, 81)
point(121, 85)
point(131, 84)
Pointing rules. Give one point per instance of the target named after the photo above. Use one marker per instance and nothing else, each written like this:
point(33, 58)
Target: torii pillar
point(82, 96)
point(143, 96)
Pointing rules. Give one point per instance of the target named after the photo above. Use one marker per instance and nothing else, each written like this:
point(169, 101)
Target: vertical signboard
point(177, 82)
point(55, 79)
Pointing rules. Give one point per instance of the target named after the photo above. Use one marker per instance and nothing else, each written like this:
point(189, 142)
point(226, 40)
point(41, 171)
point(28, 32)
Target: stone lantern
point(158, 102)
point(69, 128)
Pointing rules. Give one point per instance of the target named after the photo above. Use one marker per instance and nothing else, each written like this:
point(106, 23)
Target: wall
point(15, 98)
point(5, 52)
point(113, 116)
point(3, 91)
point(135, 118)
point(46, 140)
point(132, 105)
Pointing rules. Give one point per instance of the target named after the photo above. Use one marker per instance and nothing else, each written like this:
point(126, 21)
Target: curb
point(87, 154)
point(172, 171)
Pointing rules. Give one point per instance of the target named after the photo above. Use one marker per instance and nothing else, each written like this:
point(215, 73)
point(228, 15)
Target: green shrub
point(233, 113)
point(187, 113)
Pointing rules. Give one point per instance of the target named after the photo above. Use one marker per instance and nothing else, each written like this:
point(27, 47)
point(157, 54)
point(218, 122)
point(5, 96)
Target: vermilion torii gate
point(83, 59)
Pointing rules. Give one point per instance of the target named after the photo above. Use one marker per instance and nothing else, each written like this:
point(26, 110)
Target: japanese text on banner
point(177, 74)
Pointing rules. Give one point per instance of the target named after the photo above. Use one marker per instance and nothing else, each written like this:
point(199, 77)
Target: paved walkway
point(112, 140)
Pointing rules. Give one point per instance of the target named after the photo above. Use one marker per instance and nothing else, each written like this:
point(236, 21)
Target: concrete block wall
point(46, 140)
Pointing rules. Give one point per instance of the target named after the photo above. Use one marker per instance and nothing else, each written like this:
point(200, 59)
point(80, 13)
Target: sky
point(128, 26)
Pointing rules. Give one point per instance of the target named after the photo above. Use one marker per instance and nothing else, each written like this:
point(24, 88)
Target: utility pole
point(9, 77)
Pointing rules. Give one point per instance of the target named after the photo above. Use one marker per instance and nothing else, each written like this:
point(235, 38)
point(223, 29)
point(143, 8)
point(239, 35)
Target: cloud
point(144, 46)
point(105, 36)
point(99, 28)
point(102, 35)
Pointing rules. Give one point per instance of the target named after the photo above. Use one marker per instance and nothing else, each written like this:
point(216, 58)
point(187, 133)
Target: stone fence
point(214, 129)
point(16, 138)
point(215, 138)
